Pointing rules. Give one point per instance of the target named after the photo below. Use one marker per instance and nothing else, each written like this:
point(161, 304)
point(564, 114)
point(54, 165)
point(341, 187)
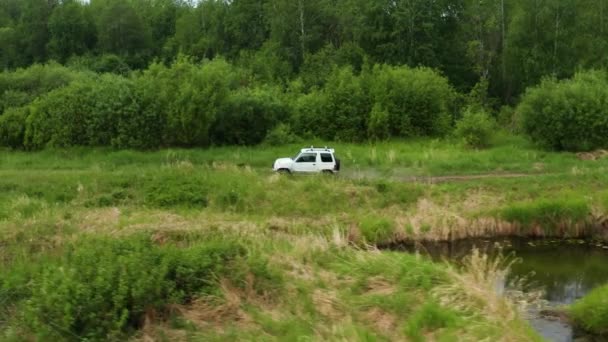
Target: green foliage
point(141, 122)
point(318, 66)
point(281, 134)
point(57, 119)
point(186, 190)
point(568, 115)
point(104, 288)
point(85, 113)
point(549, 212)
point(348, 105)
point(418, 101)
point(507, 118)
point(121, 31)
point(591, 312)
point(12, 127)
point(106, 63)
point(310, 114)
point(379, 126)
point(71, 32)
point(429, 318)
point(192, 96)
point(20, 87)
point(377, 230)
point(475, 128)
point(248, 116)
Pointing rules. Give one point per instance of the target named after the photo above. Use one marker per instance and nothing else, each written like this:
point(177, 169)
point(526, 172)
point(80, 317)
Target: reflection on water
point(565, 270)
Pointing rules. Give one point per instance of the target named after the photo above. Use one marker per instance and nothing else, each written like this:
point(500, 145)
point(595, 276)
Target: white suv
point(309, 160)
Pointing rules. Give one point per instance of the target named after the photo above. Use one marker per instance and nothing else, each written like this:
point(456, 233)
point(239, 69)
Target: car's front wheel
point(284, 171)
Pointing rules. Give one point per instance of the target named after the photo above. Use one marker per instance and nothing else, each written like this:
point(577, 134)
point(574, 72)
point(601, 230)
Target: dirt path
point(373, 174)
point(462, 178)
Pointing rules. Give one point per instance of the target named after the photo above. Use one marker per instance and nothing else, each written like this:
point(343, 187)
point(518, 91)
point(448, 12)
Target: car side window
point(307, 158)
point(326, 158)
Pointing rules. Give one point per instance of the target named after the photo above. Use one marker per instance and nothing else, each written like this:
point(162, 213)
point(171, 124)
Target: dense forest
point(199, 73)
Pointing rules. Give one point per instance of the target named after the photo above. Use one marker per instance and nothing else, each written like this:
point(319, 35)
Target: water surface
point(566, 271)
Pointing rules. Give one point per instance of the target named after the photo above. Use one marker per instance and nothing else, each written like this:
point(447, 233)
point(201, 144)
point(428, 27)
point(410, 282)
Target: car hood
point(284, 161)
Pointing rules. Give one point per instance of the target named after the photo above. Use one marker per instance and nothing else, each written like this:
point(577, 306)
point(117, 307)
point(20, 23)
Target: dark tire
point(284, 171)
point(328, 172)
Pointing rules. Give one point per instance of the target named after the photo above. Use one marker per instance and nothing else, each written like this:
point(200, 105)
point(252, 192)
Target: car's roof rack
point(318, 149)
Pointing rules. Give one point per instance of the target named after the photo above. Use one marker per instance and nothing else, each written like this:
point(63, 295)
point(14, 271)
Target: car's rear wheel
point(328, 172)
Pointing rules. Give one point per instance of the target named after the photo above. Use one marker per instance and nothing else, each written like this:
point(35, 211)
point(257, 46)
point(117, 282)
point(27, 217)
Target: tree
point(8, 47)
point(121, 31)
point(540, 42)
point(200, 31)
point(32, 29)
point(70, 31)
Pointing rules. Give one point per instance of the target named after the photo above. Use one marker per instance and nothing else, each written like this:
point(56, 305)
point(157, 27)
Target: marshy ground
point(210, 245)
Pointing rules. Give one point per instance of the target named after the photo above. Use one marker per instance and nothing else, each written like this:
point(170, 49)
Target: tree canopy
point(510, 43)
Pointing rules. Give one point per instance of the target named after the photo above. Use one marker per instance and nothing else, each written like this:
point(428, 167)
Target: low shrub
point(12, 127)
point(548, 212)
point(377, 230)
point(247, 117)
point(281, 134)
point(176, 190)
point(21, 86)
point(105, 289)
point(418, 101)
point(475, 128)
point(85, 113)
point(568, 115)
point(591, 312)
point(430, 317)
point(378, 127)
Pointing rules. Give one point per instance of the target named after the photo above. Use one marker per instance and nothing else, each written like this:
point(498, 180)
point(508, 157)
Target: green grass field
point(211, 245)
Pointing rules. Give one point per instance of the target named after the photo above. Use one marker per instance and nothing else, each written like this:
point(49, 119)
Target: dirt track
point(446, 179)
point(373, 174)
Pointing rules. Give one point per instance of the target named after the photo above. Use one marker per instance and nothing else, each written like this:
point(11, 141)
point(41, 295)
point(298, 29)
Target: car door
point(306, 162)
point(326, 162)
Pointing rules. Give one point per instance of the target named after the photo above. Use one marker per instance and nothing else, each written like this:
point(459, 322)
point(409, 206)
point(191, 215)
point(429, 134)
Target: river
point(564, 270)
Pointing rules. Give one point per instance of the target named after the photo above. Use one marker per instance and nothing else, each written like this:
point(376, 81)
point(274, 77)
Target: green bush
point(142, 126)
point(338, 111)
point(591, 312)
point(309, 118)
point(548, 212)
point(247, 117)
point(103, 289)
point(377, 230)
point(378, 127)
point(475, 128)
point(20, 87)
point(12, 127)
point(347, 107)
point(568, 115)
point(194, 94)
point(418, 101)
point(109, 63)
point(429, 318)
point(177, 190)
point(280, 135)
point(56, 119)
point(14, 98)
point(85, 113)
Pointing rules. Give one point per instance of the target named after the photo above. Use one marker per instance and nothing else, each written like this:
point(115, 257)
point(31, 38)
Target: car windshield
point(296, 156)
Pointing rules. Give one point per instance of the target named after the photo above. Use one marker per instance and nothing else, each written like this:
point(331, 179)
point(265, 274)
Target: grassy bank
point(192, 244)
point(591, 312)
point(232, 283)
